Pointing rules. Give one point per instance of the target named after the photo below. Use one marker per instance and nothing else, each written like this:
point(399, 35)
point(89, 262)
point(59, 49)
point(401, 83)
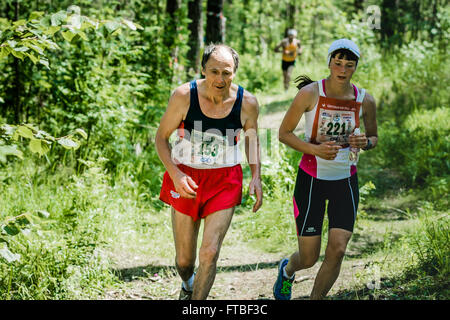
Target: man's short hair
point(213, 47)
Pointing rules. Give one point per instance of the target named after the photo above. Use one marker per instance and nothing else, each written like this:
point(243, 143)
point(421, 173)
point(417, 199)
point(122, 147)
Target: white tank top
point(333, 120)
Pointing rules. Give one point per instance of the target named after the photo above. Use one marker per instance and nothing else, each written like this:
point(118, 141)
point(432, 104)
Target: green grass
point(69, 254)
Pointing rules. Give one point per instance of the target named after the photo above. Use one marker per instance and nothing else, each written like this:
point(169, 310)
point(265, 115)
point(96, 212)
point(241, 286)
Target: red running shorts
point(218, 189)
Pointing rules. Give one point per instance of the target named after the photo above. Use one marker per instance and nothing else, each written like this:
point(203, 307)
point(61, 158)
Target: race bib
point(206, 149)
point(335, 125)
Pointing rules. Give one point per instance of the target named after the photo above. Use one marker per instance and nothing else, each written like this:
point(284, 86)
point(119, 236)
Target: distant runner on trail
point(290, 47)
point(327, 171)
point(203, 178)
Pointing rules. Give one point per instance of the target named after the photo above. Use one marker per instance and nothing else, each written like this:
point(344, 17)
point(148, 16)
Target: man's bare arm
point(175, 113)
point(250, 112)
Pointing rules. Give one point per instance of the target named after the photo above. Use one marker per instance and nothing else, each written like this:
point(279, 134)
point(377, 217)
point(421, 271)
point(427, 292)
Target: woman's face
point(341, 69)
point(219, 71)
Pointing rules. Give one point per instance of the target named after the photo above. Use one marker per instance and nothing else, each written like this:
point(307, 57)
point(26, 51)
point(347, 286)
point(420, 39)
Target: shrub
point(258, 73)
point(419, 148)
point(430, 244)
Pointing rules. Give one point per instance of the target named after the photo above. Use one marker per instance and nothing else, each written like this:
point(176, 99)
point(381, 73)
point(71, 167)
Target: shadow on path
point(131, 274)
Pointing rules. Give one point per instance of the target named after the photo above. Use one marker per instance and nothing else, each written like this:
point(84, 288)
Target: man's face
point(219, 71)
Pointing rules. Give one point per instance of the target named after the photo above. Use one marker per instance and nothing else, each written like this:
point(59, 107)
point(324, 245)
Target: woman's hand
point(357, 140)
point(327, 150)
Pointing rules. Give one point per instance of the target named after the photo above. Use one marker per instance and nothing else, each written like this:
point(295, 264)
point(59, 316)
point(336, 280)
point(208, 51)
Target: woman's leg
point(331, 265)
point(306, 256)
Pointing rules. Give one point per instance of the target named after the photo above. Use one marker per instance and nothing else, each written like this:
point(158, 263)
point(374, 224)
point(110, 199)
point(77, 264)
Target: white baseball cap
point(292, 32)
point(343, 44)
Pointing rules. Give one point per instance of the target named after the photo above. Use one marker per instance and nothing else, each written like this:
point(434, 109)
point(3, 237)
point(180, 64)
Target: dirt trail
point(238, 278)
point(273, 120)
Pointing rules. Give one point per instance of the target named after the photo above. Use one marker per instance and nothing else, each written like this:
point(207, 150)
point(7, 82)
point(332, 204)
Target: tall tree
point(291, 13)
point(172, 7)
point(215, 22)
point(195, 36)
point(170, 36)
point(358, 5)
point(244, 20)
point(16, 85)
point(389, 21)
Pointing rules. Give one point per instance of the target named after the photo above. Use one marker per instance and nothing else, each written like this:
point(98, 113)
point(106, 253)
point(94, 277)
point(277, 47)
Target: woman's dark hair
point(213, 47)
point(303, 81)
point(345, 54)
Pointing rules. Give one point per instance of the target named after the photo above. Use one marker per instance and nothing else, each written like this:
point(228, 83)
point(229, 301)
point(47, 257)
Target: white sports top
point(331, 120)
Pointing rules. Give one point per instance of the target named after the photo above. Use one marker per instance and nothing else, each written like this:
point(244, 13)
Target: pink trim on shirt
point(356, 91)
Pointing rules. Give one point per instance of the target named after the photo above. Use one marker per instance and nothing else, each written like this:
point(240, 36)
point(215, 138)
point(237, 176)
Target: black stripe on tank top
point(231, 121)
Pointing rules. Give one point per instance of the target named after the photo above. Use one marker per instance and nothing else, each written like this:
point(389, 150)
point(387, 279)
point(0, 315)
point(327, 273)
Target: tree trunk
point(215, 22)
point(17, 78)
point(291, 14)
point(358, 5)
point(244, 23)
point(195, 36)
point(388, 21)
point(170, 36)
point(172, 7)
point(434, 19)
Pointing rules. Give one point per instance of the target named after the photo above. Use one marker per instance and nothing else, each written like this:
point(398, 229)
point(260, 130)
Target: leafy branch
point(31, 38)
point(12, 226)
point(39, 140)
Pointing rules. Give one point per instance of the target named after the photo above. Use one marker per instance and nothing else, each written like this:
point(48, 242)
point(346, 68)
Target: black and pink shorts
point(310, 197)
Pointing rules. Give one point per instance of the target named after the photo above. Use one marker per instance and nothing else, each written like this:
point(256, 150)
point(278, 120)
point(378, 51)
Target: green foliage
point(407, 21)
point(39, 141)
point(52, 241)
point(418, 74)
point(30, 38)
point(430, 243)
point(420, 147)
point(258, 73)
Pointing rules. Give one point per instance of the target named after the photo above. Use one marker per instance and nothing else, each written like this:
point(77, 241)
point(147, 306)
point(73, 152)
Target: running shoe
point(185, 294)
point(282, 288)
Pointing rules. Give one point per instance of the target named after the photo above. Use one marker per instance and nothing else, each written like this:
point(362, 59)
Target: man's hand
point(185, 186)
point(256, 187)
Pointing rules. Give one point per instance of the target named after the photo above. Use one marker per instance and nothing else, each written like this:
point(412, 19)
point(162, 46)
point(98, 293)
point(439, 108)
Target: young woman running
point(332, 108)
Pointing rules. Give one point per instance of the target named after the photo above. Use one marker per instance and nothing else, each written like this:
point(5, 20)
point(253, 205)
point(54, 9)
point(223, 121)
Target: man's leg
point(306, 256)
point(215, 228)
point(285, 80)
point(185, 234)
point(288, 76)
point(331, 265)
